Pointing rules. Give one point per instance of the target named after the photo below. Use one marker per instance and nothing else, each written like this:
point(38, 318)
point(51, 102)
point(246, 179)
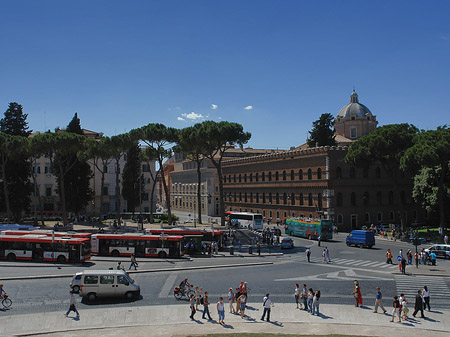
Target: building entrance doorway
point(354, 221)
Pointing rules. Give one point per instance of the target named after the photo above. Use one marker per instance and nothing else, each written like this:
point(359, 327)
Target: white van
point(103, 283)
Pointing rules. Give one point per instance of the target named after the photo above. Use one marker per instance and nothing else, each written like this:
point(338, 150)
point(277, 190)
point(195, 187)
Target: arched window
point(245, 177)
point(270, 197)
point(379, 217)
point(277, 176)
point(251, 177)
point(284, 175)
point(403, 197)
point(257, 197)
point(239, 177)
point(339, 200)
point(352, 172)
point(277, 198)
point(234, 196)
point(251, 197)
point(391, 216)
point(391, 197)
point(319, 173)
point(309, 174)
point(366, 172)
point(340, 219)
point(338, 173)
point(270, 176)
point(310, 199)
point(284, 198)
point(240, 196)
point(353, 199)
point(366, 198)
point(263, 176)
point(264, 198)
point(379, 201)
point(300, 175)
point(245, 197)
point(292, 175)
point(319, 200)
point(367, 217)
point(292, 199)
point(234, 178)
point(256, 177)
point(378, 172)
point(300, 198)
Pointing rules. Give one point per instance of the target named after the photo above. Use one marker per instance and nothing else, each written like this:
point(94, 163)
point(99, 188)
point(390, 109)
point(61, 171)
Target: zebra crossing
point(358, 263)
point(410, 284)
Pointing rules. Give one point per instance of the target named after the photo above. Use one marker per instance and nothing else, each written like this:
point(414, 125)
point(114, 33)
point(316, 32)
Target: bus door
point(74, 253)
point(139, 249)
point(196, 240)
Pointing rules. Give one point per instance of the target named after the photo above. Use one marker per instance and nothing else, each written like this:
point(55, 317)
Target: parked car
point(361, 238)
point(440, 251)
point(287, 243)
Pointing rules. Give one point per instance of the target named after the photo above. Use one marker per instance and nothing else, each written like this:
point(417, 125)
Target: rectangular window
point(107, 279)
point(353, 133)
point(145, 196)
point(48, 169)
point(48, 191)
point(105, 190)
point(105, 168)
point(90, 279)
point(145, 168)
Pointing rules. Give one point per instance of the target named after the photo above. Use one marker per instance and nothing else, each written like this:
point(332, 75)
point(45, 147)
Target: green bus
point(310, 229)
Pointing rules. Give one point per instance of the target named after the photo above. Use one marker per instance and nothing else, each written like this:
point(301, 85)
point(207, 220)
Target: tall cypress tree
point(77, 180)
point(132, 183)
point(18, 170)
point(322, 133)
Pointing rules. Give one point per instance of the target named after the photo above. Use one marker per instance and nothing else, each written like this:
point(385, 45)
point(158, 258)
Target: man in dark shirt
point(418, 304)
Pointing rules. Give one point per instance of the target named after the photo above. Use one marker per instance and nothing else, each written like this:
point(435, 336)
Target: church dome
point(354, 108)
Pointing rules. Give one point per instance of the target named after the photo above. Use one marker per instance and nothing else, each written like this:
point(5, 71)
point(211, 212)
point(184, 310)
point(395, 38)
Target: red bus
point(138, 244)
point(47, 232)
point(208, 235)
point(34, 247)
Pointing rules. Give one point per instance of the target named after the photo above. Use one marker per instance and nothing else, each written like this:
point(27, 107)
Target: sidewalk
point(173, 320)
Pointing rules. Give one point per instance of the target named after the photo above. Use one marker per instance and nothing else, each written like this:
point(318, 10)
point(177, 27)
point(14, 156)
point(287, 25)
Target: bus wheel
point(61, 259)
point(162, 255)
point(12, 257)
point(115, 253)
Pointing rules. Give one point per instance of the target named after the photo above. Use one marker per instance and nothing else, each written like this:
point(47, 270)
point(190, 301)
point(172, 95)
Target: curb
point(144, 271)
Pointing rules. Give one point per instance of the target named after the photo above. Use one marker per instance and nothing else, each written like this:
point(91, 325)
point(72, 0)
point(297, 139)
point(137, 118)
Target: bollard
point(250, 250)
point(231, 250)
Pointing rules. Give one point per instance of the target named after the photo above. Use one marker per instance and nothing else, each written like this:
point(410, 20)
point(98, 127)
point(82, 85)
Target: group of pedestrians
point(308, 298)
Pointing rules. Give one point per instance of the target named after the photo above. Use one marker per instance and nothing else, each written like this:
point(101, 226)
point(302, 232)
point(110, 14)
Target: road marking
point(342, 275)
point(167, 287)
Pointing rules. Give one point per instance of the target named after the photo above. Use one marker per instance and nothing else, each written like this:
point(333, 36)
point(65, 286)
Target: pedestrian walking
point(304, 297)
point(267, 304)
point(221, 310)
point(308, 254)
point(404, 306)
point(206, 306)
point(297, 295)
point(426, 298)
point(315, 303)
point(242, 300)
point(324, 256)
point(327, 254)
point(72, 307)
point(310, 299)
point(258, 248)
point(192, 306)
point(396, 309)
point(378, 298)
point(418, 304)
point(409, 256)
point(231, 299)
point(357, 294)
point(389, 256)
point(133, 262)
point(403, 265)
point(198, 296)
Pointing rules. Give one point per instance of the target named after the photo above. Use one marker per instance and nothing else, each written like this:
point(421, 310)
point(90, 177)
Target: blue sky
point(273, 66)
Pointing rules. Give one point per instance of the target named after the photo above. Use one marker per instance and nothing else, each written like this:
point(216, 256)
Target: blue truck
point(361, 239)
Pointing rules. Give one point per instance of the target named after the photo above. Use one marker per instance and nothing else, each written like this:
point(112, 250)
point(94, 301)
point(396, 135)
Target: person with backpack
point(72, 307)
point(267, 304)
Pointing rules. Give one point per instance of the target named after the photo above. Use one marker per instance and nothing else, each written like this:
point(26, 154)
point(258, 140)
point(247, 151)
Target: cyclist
point(184, 284)
point(2, 291)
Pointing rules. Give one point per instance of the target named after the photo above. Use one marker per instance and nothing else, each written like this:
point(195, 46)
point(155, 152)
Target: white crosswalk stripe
point(357, 263)
point(410, 284)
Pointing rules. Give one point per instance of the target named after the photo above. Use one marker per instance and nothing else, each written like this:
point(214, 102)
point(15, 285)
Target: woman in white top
point(426, 298)
point(221, 310)
point(297, 295)
point(241, 301)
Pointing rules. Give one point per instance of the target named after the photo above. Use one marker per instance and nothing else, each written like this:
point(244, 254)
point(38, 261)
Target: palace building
point(317, 183)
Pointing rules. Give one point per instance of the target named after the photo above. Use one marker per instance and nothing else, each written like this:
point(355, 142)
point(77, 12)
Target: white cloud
point(178, 108)
point(248, 107)
point(214, 106)
point(180, 119)
point(220, 117)
point(192, 116)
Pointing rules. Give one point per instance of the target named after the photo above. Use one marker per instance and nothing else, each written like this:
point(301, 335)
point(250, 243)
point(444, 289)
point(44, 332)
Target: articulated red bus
point(34, 247)
point(138, 244)
point(208, 235)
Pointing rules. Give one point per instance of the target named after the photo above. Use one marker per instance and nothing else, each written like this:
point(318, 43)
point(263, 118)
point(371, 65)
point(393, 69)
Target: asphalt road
point(335, 280)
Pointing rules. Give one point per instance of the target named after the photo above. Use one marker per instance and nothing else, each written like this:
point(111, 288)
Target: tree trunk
point(199, 195)
point(118, 189)
point(221, 201)
point(151, 196)
point(441, 191)
point(102, 185)
point(62, 193)
point(5, 191)
point(166, 191)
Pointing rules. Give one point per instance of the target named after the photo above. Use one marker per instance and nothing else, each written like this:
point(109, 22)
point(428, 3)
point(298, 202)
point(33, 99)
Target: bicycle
point(6, 302)
point(179, 292)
